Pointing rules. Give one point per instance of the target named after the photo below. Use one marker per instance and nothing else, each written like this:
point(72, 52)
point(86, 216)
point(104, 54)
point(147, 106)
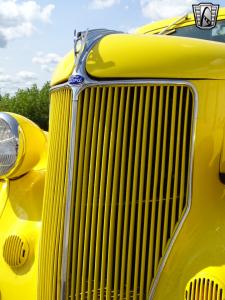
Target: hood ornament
point(84, 41)
point(80, 39)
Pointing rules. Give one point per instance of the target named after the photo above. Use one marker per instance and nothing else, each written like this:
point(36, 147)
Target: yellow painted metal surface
point(21, 217)
point(154, 56)
point(49, 286)
point(4, 186)
point(64, 69)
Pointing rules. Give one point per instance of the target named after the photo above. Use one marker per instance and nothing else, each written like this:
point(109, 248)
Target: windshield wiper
point(183, 18)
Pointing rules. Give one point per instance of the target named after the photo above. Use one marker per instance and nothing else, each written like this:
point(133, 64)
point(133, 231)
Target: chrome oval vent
point(204, 288)
point(15, 251)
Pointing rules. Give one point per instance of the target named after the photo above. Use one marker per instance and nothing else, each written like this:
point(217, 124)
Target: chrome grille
point(130, 187)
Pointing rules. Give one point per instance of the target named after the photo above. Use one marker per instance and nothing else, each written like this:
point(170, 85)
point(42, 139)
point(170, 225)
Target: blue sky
point(35, 34)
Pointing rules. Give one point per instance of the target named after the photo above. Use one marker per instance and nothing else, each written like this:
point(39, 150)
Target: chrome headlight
point(8, 143)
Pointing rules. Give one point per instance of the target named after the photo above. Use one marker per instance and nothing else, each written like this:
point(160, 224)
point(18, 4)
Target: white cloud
point(23, 30)
point(47, 68)
point(26, 76)
point(5, 78)
point(46, 61)
point(11, 83)
point(17, 18)
point(49, 58)
point(101, 4)
point(160, 9)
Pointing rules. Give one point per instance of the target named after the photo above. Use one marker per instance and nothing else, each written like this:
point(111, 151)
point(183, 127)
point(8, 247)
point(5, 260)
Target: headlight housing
point(22, 144)
point(9, 136)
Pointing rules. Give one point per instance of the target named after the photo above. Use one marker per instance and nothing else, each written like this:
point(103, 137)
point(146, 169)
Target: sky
point(36, 34)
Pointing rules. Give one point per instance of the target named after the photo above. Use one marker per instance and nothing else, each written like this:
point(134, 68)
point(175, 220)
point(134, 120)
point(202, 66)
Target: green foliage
point(32, 103)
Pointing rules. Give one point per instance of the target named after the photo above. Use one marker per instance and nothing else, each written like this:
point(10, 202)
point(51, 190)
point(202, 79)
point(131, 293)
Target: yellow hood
point(156, 56)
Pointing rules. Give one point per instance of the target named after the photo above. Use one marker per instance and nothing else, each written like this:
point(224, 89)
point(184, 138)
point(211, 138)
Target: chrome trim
point(59, 87)
point(99, 83)
point(76, 91)
point(12, 123)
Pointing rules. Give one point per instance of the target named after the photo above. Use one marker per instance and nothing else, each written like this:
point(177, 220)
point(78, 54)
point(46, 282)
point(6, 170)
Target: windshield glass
point(216, 34)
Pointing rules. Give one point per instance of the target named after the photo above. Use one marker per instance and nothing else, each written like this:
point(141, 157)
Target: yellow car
point(125, 197)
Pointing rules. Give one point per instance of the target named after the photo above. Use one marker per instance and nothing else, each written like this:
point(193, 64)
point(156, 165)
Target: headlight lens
point(8, 143)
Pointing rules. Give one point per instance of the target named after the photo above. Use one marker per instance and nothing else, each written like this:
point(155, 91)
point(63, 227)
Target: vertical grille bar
point(75, 174)
point(170, 166)
point(206, 290)
point(90, 205)
point(141, 188)
point(147, 213)
point(183, 187)
point(177, 162)
point(108, 196)
point(85, 182)
point(128, 192)
point(102, 95)
point(102, 197)
point(152, 265)
point(124, 160)
point(55, 196)
point(78, 191)
point(158, 250)
point(134, 187)
point(115, 188)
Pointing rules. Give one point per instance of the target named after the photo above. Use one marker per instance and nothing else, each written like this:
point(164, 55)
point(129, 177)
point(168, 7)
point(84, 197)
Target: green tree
point(32, 103)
